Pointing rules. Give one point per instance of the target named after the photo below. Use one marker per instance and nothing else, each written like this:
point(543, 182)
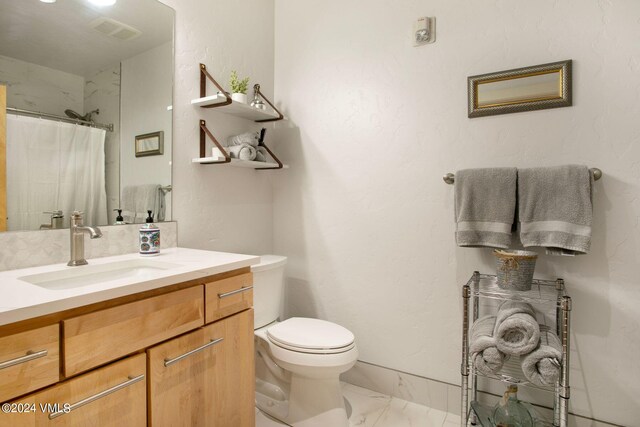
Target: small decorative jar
point(515, 269)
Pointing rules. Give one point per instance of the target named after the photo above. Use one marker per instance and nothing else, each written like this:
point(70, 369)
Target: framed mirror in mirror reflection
point(522, 89)
point(150, 144)
point(84, 85)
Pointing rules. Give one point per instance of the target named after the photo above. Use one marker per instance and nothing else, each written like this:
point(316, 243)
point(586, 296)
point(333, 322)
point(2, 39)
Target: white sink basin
point(76, 277)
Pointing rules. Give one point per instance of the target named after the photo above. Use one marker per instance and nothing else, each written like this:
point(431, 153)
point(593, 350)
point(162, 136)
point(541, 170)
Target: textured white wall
point(220, 207)
point(365, 217)
point(37, 88)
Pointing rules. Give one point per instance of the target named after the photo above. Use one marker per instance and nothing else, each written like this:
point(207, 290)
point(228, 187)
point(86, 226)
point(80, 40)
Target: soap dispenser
point(149, 238)
point(119, 218)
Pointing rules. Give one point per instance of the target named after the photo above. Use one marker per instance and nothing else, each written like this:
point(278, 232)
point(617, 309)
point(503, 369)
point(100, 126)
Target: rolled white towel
point(482, 346)
point(261, 154)
point(250, 138)
point(542, 365)
point(242, 152)
point(517, 331)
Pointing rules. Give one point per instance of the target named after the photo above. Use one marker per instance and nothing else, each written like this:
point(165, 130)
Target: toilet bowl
point(298, 360)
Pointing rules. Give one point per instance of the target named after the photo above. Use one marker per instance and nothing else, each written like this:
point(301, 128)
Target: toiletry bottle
point(149, 238)
point(510, 412)
point(119, 218)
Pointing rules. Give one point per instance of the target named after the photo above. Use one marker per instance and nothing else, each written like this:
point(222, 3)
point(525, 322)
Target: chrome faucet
point(77, 239)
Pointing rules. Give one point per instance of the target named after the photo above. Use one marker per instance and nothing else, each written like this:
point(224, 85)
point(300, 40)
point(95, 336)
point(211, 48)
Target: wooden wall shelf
point(239, 163)
point(238, 109)
point(228, 106)
point(226, 159)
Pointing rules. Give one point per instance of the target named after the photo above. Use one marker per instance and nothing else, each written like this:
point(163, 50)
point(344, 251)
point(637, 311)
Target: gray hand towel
point(250, 138)
point(485, 206)
point(555, 208)
point(517, 331)
point(242, 152)
point(542, 365)
point(482, 346)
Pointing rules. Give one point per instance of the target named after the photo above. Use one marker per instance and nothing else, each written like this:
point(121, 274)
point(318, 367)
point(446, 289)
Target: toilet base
point(313, 403)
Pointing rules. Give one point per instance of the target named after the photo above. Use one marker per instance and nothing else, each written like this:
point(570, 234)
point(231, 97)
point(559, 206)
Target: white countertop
point(20, 300)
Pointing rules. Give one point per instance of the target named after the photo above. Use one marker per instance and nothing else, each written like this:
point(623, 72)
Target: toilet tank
point(268, 289)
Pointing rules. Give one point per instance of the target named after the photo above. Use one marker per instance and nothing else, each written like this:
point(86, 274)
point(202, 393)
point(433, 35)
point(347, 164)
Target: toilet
point(298, 360)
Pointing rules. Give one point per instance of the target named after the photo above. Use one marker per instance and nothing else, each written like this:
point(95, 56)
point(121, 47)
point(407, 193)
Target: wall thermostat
point(424, 31)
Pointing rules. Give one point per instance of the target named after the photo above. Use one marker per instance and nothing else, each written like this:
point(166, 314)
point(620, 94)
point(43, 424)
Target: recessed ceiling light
point(103, 2)
point(48, 1)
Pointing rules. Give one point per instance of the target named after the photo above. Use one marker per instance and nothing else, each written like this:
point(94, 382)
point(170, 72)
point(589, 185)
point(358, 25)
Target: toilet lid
point(311, 336)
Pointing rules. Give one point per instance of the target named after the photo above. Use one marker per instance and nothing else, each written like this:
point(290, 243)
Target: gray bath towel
point(542, 365)
point(517, 331)
point(242, 152)
point(555, 208)
point(485, 206)
point(138, 199)
point(482, 346)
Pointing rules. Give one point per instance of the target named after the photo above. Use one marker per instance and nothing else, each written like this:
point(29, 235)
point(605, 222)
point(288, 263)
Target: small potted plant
point(238, 87)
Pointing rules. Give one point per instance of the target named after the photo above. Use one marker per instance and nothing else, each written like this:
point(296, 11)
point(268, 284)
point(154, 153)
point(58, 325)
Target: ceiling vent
point(112, 28)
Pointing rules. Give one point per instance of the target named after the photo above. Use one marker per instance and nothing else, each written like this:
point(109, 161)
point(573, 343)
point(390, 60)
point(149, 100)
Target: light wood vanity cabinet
point(28, 361)
point(204, 378)
point(174, 375)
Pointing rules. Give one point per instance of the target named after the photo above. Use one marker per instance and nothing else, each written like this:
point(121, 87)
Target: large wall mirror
point(83, 82)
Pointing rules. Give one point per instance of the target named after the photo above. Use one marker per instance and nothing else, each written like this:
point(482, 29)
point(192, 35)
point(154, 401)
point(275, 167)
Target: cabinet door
point(113, 396)
point(234, 393)
point(204, 378)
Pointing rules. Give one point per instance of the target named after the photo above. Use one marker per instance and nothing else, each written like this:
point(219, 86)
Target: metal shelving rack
point(546, 294)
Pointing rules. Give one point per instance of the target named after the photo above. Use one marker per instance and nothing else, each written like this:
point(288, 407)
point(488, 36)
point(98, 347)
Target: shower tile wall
point(34, 87)
point(102, 90)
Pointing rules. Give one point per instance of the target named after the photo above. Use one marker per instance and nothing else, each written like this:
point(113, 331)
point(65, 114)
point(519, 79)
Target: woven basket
point(515, 269)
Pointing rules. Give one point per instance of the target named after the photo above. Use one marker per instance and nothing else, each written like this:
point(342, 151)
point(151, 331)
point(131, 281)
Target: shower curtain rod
point(48, 116)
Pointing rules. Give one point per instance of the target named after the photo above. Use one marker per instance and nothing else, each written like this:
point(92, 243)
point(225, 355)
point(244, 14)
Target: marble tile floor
point(372, 409)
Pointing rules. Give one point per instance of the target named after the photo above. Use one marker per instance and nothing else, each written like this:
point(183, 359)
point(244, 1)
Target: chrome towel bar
point(450, 178)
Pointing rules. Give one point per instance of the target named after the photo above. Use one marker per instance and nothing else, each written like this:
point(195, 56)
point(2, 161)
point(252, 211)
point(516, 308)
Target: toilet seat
point(313, 336)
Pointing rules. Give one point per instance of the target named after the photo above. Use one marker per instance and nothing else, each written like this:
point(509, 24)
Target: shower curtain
point(53, 166)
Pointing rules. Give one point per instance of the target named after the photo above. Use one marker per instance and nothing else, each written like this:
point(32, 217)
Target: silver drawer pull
point(237, 291)
point(131, 380)
point(169, 362)
point(31, 355)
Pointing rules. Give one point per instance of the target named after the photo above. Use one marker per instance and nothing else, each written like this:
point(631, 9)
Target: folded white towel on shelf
point(485, 203)
point(555, 208)
point(516, 331)
point(542, 365)
point(482, 346)
point(250, 138)
point(242, 152)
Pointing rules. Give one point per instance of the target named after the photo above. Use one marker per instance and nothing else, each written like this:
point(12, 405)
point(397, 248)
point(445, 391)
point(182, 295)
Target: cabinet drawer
point(96, 338)
point(29, 361)
point(227, 296)
point(115, 395)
